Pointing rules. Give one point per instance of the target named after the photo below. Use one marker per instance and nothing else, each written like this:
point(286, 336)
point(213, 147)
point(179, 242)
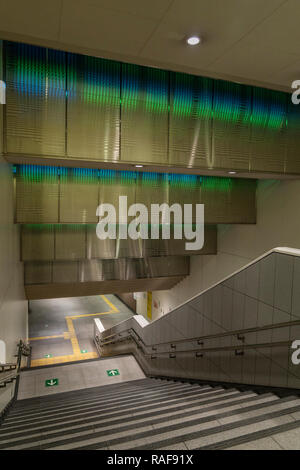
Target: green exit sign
point(51, 382)
point(84, 351)
point(113, 372)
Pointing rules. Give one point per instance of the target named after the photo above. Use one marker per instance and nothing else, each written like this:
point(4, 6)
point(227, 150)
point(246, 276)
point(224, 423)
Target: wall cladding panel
point(70, 242)
point(93, 129)
point(37, 194)
point(68, 195)
point(144, 114)
point(37, 242)
point(79, 191)
point(269, 132)
point(191, 100)
point(231, 126)
point(87, 108)
point(36, 92)
point(64, 242)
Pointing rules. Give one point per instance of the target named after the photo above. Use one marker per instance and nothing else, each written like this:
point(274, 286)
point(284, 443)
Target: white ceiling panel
point(250, 41)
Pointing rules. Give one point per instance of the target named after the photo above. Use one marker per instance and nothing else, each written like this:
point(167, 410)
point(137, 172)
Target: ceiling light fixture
point(193, 40)
point(139, 166)
point(232, 172)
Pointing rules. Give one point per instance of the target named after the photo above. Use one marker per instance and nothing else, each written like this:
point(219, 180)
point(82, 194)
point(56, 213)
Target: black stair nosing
point(84, 393)
point(103, 407)
point(281, 392)
point(141, 416)
point(132, 426)
point(65, 404)
point(47, 401)
point(56, 405)
point(254, 436)
point(170, 428)
point(216, 429)
point(206, 400)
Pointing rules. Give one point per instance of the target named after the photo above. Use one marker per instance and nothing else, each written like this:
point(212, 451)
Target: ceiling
point(249, 41)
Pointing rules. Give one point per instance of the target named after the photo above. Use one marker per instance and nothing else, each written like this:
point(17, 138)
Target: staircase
point(152, 414)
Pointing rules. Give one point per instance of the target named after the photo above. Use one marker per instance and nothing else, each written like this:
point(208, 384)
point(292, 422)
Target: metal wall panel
point(71, 105)
point(36, 91)
point(269, 139)
point(191, 100)
point(293, 138)
point(70, 242)
point(37, 190)
point(231, 129)
point(93, 129)
point(79, 190)
point(65, 272)
point(103, 270)
point(37, 273)
point(144, 114)
point(97, 248)
point(62, 195)
point(113, 184)
point(37, 242)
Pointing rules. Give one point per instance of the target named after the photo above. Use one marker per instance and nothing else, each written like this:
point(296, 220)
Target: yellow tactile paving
point(71, 335)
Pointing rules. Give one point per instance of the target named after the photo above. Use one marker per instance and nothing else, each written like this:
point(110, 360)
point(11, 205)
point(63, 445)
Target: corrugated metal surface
point(79, 194)
point(93, 106)
point(42, 242)
point(37, 194)
point(231, 130)
point(36, 100)
point(144, 114)
point(74, 106)
point(190, 120)
point(64, 195)
point(103, 270)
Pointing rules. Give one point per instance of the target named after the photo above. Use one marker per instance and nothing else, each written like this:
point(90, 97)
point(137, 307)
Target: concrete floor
point(61, 330)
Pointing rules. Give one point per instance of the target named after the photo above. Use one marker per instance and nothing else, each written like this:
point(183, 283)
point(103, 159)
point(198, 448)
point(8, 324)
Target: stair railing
point(9, 373)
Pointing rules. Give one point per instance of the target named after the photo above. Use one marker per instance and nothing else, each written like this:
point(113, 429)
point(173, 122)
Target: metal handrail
point(239, 349)
point(237, 333)
point(7, 366)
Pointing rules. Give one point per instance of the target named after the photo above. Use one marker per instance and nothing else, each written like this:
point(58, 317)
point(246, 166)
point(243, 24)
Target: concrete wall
point(278, 224)
point(13, 306)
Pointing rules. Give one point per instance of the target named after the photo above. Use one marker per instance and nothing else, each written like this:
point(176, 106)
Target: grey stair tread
point(132, 423)
point(148, 414)
point(57, 406)
point(111, 438)
point(102, 407)
point(207, 401)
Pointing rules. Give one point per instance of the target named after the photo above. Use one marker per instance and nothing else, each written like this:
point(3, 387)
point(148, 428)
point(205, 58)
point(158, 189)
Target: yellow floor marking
point(109, 303)
point(71, 335)
point(74, 317)
point(46, 337)
point(61, 359)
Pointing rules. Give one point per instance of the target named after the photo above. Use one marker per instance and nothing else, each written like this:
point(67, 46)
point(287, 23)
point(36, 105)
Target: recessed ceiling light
point(232, 172)
point(193, 40)
point(139, 166)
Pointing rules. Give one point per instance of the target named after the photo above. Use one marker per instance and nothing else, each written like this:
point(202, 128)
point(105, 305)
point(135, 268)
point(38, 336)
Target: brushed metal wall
point(77, 107)
point(71, 195)
point(86, 271)
point(79, 242)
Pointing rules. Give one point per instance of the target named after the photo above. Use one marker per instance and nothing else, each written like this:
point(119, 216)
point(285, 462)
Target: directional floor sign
point(112, 372)
point(51, 382)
